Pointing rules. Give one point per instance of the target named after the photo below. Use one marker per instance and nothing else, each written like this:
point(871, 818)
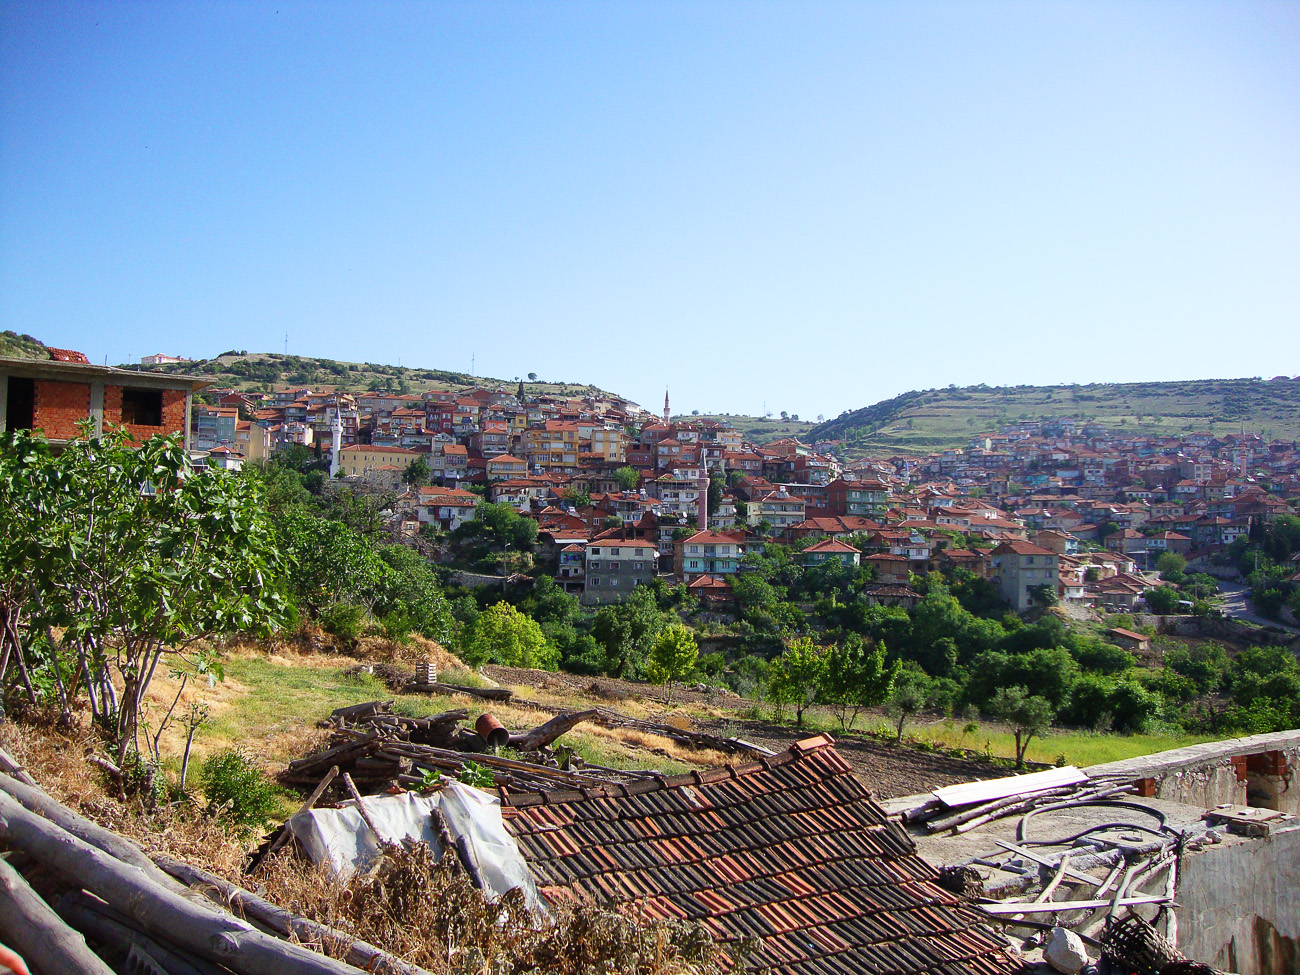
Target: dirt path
point(887, 769)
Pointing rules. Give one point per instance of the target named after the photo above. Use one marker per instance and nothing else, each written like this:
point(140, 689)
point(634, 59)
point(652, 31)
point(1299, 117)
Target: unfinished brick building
point(54, 395)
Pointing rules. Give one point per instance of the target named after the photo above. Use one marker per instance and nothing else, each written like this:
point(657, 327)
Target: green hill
point(258, 371)
point(935, 419)
point(759, 429)
point(15, 346)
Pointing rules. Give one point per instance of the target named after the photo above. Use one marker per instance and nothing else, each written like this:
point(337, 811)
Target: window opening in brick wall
point(20, 403)
point(142, 407)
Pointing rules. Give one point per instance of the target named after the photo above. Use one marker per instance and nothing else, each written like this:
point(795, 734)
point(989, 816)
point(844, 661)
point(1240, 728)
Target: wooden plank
point(969, 793)
point(1030, 855)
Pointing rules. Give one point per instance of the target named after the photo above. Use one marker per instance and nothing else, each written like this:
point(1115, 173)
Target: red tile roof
point(791, 851)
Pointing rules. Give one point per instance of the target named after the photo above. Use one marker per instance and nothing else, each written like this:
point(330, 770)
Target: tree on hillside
point(1162, 600)
point(503, 635)
point(418, 473)
point(797, 675)
point(673, 655)
point(856, 678)
point(131, 557)
point(504, 525)
point(627, 478)
point(627, 631)
point(908, 697)
point(1171, 567)
point(1028, 714)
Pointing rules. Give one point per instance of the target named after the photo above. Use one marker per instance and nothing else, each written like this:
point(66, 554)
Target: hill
point(255, 371)
point(15, 346)
point(935, 419)
point(758, 429)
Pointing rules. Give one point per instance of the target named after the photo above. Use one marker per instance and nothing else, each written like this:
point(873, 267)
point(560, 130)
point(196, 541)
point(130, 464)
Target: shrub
point(237, 789)
point(343, 620)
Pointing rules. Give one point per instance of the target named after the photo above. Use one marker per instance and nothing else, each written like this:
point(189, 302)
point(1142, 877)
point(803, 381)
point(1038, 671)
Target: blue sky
point(808, 206)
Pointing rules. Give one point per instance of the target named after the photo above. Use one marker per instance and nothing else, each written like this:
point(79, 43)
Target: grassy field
point(269, 706)
point(941, 418)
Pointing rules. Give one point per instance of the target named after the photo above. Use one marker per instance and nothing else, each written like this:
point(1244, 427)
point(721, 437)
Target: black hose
point(1156, 814)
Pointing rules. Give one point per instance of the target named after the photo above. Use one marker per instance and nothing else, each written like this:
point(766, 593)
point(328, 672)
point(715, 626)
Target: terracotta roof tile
point(790, 850)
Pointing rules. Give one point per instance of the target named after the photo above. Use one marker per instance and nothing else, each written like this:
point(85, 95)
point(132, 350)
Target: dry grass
point(411, 905)
point(57, 761)
point(427, 912)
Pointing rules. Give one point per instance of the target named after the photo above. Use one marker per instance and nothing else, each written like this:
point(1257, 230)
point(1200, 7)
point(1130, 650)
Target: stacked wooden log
point(105, 902)
point(359, 734)
point(381, 751)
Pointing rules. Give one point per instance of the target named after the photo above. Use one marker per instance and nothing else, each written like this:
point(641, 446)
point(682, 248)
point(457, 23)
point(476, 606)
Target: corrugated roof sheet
point(791, 851)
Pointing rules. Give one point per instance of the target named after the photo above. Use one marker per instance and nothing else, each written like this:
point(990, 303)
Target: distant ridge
point(937, 419)
point(255, 371)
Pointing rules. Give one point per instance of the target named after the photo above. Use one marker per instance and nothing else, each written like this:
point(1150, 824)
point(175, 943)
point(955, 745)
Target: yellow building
point(360, 458)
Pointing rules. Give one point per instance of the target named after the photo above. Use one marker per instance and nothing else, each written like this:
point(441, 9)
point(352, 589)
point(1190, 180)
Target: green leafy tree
point(418, 473)
point(908, 697)
point(1162, 600)
point(856, 678)
point(627, 478)
point(627, 631)
point(503, 635)
point(672, 655)
point(134, 558)
point(797, 675)
point(505, 526)
point(576, 498)
point(1171, 564)
point(1028, 714)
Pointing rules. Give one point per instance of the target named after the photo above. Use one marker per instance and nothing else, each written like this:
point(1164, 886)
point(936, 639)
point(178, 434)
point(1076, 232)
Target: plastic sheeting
point(340, 838)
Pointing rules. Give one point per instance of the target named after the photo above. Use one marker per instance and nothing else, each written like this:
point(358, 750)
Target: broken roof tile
point(790, 850)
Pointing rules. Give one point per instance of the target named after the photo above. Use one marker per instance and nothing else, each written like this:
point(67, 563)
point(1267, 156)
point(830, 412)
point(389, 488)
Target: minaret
point(667, 412)
point(337, 444)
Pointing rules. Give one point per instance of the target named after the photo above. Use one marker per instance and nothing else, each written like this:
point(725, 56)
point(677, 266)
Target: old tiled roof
point(791, 851)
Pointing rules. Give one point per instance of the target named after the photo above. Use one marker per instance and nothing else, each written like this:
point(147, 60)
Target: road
point(1236, 604)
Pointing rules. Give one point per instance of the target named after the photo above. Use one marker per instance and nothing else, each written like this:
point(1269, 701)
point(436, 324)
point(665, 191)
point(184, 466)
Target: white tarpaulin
point(340, 838)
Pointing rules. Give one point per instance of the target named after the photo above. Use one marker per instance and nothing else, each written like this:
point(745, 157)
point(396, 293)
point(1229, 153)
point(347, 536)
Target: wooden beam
point(545, 733)
point(157, 910)
point(30, 927)
point(40, 802)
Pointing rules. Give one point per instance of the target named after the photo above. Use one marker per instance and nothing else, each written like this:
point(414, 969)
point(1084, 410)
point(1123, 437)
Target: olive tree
point(1028, 714)
point(118, 562)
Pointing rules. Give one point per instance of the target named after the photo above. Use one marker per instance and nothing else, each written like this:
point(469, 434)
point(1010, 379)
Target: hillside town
point(620, 495)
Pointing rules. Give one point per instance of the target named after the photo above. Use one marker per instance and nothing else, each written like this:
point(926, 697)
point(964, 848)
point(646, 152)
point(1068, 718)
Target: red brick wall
point(57, 406)
point(173, 413)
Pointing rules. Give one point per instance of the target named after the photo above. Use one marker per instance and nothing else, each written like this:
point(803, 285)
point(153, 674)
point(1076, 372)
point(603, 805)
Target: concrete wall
point(1261, 770)
point(1240, 905)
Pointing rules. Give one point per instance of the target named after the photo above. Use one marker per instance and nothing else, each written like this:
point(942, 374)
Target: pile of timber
point(379, 751)
point(962, 808)
point(103, 905)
